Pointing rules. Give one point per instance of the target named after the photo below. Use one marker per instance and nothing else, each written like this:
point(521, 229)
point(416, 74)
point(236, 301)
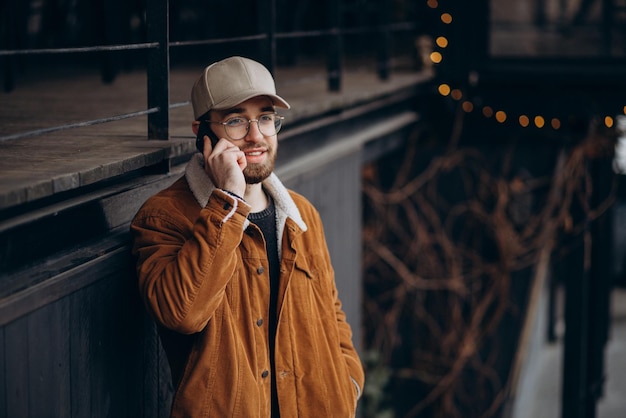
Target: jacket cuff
point(358, 388)
point(233, 194)
point(230, 204)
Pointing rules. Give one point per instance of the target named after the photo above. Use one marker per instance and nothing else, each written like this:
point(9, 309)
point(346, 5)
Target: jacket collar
point(202, 187)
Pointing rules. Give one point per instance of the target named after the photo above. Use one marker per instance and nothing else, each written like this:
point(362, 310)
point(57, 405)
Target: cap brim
point(234, 100)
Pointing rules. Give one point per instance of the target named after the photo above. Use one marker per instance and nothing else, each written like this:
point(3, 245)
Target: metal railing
point(158, 46)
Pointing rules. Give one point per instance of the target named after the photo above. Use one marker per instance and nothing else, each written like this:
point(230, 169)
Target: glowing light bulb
point(436, 57)
point(467, 106)
point(456, 94)
point(442, 42)
point(433, 4)
point(539, 121)
point(501, 116)
point(608, 121)
point(556, 124)
point(524, 121)
point(444, 89)
point(446, 18)
point(487, 111)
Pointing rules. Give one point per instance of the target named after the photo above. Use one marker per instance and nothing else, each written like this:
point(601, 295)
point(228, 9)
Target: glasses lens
point(237, 128)
point(269, 124)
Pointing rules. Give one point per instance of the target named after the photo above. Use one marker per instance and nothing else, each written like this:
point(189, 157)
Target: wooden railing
point(159, 46)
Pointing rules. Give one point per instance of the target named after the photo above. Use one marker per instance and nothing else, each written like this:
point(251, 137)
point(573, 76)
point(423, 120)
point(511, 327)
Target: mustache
point(255, 146)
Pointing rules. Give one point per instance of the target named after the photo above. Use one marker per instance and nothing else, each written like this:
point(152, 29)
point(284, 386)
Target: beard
point(256, 173)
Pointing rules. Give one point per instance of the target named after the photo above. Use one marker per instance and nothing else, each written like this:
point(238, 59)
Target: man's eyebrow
point(242, 110)
point(233, 110)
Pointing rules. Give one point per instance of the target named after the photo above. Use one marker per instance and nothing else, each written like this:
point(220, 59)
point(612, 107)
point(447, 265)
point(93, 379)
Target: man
point(235, 269)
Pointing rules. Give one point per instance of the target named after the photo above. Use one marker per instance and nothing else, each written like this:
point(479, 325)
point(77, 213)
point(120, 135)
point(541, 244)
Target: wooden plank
point(51, 290)
point(150, 365)
point(22, 237)
point(133, 336)
point(101, 365)
point(17, 365)
point(48, 361)
point(164, 386)
point(81, 336)
point(4, 413)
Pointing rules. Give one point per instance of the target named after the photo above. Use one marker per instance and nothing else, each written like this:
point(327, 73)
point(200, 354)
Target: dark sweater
point(266, 221)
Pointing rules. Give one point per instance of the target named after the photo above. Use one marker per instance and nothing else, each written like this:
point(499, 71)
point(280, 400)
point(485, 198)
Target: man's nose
point(254, 133)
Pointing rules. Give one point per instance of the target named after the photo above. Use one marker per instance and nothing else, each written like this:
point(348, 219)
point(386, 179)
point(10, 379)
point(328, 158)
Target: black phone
point(203, 130)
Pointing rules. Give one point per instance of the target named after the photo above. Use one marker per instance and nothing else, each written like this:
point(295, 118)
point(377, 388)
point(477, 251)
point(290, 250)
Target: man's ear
point(195, 126)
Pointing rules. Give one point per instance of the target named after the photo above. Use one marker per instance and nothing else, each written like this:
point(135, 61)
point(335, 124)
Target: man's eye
point(267, 118)
point(236, 122)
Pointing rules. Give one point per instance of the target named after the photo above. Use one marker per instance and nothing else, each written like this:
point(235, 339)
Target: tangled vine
point(452, 240)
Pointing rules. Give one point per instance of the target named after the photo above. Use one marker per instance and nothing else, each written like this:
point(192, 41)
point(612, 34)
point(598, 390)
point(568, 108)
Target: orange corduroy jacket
point(203, 276)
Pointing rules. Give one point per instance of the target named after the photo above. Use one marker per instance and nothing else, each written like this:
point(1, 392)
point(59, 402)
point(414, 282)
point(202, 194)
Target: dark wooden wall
point(79, 343)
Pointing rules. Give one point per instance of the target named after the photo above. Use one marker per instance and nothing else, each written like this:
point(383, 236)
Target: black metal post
point(109, 33)
point(335, 46)
point(384, 39)
point(157, 20)
point(574, 397)
point(13, 17)
point(588, 284)
point(271, 37)
point(607, 26)
point(601, 280)
point(469, 48)
point(267, 24)
point(563, 12)
point(540, 13)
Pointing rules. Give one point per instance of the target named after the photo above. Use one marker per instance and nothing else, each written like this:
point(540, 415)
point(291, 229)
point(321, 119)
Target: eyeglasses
point(238, 127)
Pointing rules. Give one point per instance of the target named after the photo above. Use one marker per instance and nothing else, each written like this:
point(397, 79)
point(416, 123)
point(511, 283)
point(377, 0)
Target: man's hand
point(225, 164)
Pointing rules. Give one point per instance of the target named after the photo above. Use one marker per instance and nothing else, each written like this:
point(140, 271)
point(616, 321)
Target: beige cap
point(225, 84)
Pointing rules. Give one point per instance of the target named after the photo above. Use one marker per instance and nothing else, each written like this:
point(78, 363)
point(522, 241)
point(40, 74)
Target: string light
point(468, 106)
point(436, 57)
point(441, 41)
point(446, 18)
point(539, 121)
point(524, 121)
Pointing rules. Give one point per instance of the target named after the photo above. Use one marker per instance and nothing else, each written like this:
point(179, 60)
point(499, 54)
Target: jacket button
point(259, 321)
point(265, 374)
point(260, 270)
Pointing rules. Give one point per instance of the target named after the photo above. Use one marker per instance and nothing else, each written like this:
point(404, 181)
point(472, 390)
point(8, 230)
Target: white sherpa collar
point(202, 187)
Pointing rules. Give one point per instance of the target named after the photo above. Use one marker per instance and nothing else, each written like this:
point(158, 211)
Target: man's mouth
point(254, 153)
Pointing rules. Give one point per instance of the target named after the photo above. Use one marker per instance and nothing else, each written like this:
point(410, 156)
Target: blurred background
point(467, 159)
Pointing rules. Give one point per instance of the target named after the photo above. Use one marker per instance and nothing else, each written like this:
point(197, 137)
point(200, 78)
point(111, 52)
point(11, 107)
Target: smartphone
point(203, 130)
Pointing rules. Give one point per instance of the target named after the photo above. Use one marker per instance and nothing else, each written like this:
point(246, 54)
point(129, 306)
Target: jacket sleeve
point(183, 267)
